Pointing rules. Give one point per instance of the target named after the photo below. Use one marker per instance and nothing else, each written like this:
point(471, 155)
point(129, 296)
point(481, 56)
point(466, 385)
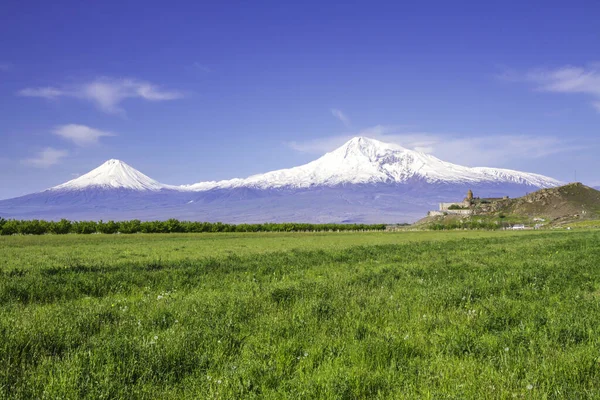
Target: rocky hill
point(575, 200)
point(563, 205)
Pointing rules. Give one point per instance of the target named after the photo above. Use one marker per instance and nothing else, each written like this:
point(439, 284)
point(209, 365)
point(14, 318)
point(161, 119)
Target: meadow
point(346, 315)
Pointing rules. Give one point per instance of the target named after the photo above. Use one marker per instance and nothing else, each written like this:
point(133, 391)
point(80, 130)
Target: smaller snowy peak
point(113, 174)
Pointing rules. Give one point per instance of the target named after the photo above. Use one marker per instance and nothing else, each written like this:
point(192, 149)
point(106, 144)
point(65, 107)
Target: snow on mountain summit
point(113, 174)
point(361, 146)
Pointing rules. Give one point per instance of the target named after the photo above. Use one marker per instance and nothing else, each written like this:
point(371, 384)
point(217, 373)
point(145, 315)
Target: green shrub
point(457, 207)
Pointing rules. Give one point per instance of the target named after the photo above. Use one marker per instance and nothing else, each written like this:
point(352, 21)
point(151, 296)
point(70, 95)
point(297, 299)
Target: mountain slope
point(571, 199)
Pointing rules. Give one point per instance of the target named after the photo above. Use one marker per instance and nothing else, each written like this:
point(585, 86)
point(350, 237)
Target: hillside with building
point(468, 206)
point(572, 204)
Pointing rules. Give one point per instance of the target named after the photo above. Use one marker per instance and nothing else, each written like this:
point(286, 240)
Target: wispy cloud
point(339, 114)
point(467, 150)
point(46, 158)
point(106, 93)
point(200, 67)
point(45, 92)
point(567, 79)
point(81, 135)
point(5, 66)
point(499, 150)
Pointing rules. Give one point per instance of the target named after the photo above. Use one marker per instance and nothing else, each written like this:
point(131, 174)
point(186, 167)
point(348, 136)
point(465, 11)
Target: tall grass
point(489, 317)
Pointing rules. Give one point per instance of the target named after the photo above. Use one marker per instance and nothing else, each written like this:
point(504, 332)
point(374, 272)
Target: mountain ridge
point(363, 181)
point(359, 161)
point(362, 161)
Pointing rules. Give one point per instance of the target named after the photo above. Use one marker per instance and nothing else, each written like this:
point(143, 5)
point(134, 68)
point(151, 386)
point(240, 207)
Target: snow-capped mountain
point(364, 180)
point(113, 174)
point(368, 161)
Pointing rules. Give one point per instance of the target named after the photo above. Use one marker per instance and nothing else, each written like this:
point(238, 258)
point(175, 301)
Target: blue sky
point(216, 90)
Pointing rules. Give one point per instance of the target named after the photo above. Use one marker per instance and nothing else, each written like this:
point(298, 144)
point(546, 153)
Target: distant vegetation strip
point(466, 224)
point(41, 227)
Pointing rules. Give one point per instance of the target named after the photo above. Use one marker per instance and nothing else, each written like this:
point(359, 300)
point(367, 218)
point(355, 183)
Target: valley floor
point(300, 315)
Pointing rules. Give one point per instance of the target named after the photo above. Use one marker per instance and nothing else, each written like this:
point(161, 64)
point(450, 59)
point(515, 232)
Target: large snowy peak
point(113, 174)
point(368, 161)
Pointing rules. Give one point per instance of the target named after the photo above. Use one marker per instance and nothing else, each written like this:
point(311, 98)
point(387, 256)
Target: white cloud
point(45, 92)
point(568, 79)
point(81, 135)
point(46, 158)
point(465, 150)
point(341, 116)
point(499, 150)
point(106, 93)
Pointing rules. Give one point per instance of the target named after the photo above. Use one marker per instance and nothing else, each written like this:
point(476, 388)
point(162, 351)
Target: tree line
point(471, 225)
point(62, 227)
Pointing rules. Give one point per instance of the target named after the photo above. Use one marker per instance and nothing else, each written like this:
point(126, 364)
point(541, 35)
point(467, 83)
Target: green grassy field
point(329, 315)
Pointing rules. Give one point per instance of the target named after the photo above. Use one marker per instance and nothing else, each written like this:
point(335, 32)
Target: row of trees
point(41, 227)
point(487, 225)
